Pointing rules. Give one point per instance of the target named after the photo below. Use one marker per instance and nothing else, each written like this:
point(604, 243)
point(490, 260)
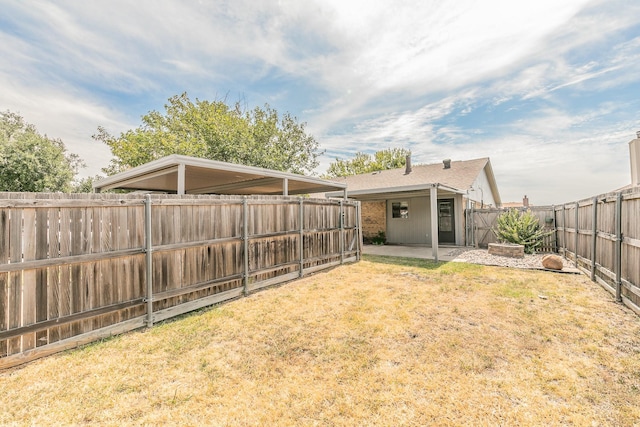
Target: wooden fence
point(77, 268)
point(601, 236)
point(481, 222)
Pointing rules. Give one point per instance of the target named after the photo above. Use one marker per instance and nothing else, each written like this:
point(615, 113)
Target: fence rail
point(76, 268)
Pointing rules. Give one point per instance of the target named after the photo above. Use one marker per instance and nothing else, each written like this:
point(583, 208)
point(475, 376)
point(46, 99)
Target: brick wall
point(374, 218)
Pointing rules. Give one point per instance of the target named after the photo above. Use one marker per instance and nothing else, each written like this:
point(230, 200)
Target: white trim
point(405, 188)
point(492, 183)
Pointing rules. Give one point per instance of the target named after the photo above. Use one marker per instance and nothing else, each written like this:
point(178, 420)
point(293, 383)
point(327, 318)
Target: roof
point(194, 175)
point(512, 205)
point(458, 178)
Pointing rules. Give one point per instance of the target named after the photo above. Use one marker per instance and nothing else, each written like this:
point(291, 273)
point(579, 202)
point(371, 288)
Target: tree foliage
point(522, 228)
point(390, 158)
point(33, 162)
point(85, 185)
point(214, 130)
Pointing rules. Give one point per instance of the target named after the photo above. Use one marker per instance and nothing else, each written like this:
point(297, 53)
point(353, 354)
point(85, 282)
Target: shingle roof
point(460, 175)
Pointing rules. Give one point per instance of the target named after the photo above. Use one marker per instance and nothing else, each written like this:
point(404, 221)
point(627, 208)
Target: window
point(400, 210)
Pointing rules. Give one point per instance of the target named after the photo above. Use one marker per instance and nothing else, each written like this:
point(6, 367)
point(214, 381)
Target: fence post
point(359, 230)
point(594, 239)
point(341, 232)
point(564, 231)
point(301, 245)
point(473, 225)
point(148, 258)
point(467, 232)
point(575, 240)
point(554, 243)
point(618, 252)
point(245, 244)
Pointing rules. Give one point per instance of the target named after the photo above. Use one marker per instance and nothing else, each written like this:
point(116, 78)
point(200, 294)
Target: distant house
point(523, 204)
point(423, 204)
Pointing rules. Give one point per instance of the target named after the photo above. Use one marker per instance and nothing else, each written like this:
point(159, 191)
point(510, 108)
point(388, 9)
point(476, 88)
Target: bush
point(521, 228)
point(380, 239)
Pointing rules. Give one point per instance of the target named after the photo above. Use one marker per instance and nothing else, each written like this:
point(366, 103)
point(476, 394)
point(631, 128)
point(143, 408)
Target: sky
point(548, 90)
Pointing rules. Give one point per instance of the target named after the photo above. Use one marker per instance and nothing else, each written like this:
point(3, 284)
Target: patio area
point(445, 253)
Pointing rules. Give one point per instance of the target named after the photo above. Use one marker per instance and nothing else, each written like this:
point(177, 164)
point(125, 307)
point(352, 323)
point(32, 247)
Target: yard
point(386, 341)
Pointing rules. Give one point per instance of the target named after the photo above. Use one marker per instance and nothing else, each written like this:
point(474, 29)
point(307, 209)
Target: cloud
point(424, 49)
point(65, 115)
point(516, 81)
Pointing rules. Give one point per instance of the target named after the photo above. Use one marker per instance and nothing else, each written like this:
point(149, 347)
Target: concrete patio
point(445, 253)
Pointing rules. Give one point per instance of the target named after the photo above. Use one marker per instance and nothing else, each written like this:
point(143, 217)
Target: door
point(446, 222)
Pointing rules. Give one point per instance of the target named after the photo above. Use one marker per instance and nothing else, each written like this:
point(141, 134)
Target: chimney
point(446, 163)
point(525, 201)
point(634, 154)
point(407, 170)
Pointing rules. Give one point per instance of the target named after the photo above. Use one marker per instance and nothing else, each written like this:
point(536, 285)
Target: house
point(523, 204)
point(423, 204)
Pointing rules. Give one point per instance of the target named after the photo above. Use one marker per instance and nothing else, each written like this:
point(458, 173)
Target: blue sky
point(547, 89)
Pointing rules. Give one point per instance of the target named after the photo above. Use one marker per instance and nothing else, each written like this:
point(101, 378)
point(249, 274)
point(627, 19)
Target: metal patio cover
point(191, 175)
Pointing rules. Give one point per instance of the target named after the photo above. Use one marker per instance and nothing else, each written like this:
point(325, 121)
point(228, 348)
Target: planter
point(506, 249)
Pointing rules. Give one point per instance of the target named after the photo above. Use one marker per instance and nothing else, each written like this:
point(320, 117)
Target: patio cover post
point(181, 179)
point(285, 187)
point(433, 194)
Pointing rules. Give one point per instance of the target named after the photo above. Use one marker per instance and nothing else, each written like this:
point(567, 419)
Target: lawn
point(386, 341)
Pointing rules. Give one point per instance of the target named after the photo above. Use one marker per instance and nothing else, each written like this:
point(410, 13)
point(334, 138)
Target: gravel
point(480, 256)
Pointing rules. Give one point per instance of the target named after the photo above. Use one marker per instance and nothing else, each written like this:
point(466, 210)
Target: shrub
point(380, 239)
point(522, 228)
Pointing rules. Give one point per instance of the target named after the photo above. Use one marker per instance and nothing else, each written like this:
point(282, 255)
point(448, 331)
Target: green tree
point(33, 162)
point(390, 158)
point(85, 185)
point(214, 130)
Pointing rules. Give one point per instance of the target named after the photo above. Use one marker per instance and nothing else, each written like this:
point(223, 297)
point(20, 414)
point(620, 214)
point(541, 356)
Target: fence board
point(15, 279)
point(4, 310)
point(53, 291)
point(42, 249)
point(28, 301)
point(4, 278)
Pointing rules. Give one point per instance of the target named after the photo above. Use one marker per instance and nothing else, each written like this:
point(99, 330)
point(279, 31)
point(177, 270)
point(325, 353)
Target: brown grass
point(382, 342)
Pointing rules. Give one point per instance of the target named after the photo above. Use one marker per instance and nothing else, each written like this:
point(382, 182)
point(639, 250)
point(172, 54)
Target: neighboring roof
point(458, 178)
point(202, 176)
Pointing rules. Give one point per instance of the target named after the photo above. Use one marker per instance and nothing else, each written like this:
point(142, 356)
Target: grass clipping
point(383, 342)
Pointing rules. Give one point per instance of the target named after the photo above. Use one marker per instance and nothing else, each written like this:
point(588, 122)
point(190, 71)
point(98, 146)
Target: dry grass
point(383, 342)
